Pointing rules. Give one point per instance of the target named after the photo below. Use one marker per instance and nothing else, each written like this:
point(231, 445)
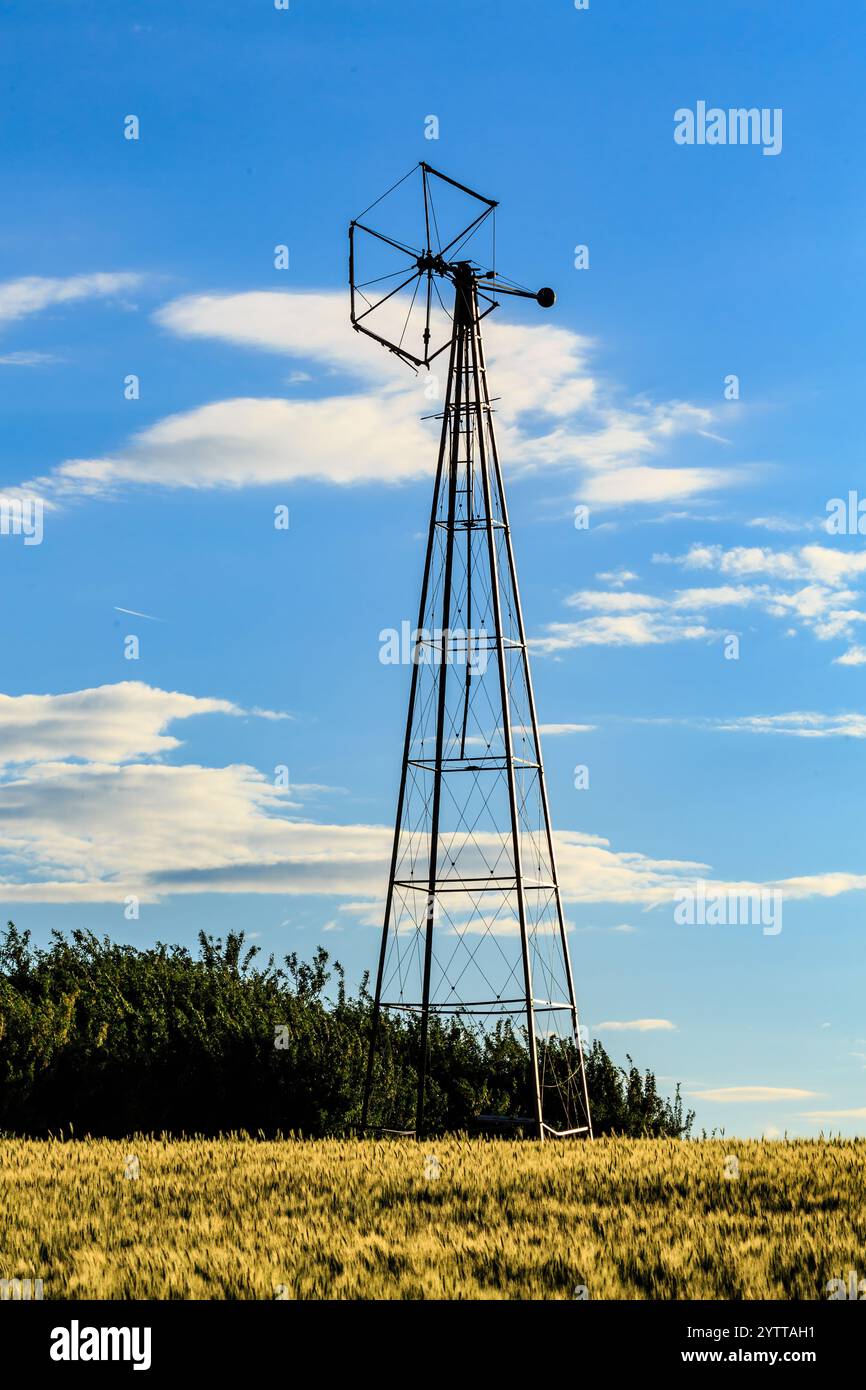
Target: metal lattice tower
point(474, 928)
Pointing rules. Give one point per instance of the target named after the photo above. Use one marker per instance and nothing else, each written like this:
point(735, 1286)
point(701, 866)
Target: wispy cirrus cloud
point(858, 1113)
point(748, 1095)
point(557, 730)
point(32, 293)
point(797, 724)
point(782, 524)
point(637, 1025)
point(793, 724)
point(27, 359)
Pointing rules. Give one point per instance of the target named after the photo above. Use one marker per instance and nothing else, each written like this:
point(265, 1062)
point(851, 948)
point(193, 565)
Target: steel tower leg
point(401, 797)
point(460, 344)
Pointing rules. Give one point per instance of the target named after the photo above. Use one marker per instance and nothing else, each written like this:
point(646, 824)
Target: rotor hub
point(432, 263)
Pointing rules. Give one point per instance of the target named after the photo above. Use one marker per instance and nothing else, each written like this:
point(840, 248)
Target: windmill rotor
point(398, 276)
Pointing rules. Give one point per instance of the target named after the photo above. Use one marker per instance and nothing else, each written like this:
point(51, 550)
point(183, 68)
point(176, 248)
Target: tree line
point(107, 1039)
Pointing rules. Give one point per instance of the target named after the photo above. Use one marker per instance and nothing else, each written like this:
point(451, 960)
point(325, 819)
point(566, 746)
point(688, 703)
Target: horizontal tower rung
point(489, 1006)
point(473, 885)
point(482, 642)
point(463, 765)
point(477, 523)
point(499, 758)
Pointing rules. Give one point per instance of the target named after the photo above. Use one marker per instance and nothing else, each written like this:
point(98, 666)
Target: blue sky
point(155, 257)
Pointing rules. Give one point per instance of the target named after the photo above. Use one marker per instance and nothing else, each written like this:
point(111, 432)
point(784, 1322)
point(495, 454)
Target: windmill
point(474, 935)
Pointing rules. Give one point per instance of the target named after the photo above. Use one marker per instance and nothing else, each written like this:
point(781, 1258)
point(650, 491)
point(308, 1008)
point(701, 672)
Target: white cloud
point(621, 630)
point(106, 724)
point(554, 730)
point(781, 524)
point(637, 620)
point(621, 929)
point(532, 363)
point(828, 885)
point(722, 596)
point(746, 1095)
point(613, 602)
point(813, 562)
point(859, 1113)
point(646, 484)
point(855, 656)
point(798, 724)
point(363, 423)
point(617, 578)
point(308, 325)
point(27, 359)
point(32, 293)
point(637, 1025)
point(823, 604)
point(251, 441)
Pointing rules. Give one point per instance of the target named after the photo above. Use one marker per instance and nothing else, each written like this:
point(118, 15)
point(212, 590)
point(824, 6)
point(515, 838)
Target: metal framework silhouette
point(474, 929)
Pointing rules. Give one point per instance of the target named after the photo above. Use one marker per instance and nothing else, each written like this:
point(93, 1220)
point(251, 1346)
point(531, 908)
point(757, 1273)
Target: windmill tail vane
point(474, 936)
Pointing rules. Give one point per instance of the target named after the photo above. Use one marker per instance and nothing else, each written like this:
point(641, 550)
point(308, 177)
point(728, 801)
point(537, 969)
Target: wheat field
point(238, 1218)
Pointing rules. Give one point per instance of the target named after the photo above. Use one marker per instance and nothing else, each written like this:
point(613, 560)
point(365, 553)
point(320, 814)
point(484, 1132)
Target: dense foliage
point(110, 1040)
